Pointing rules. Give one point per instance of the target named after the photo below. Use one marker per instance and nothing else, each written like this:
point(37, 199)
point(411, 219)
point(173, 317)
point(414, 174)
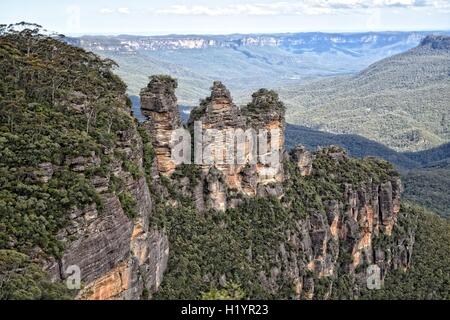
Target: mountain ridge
point(245, 62)
point(295, 40)
point(400, 101)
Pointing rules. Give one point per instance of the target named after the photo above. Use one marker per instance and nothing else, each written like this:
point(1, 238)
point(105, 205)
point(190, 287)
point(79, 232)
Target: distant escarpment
point(436, 42)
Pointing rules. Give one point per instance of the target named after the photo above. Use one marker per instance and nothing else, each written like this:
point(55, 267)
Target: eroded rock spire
point(159, 105)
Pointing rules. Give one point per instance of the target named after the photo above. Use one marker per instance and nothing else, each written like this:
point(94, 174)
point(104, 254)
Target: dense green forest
point(429, 187)
point(429, 276)
point(400, 101)
point(57, 103)
point(219, 244)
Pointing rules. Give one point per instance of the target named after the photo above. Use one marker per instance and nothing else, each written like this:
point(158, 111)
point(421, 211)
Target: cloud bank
point(122, 10)
point(309, 7)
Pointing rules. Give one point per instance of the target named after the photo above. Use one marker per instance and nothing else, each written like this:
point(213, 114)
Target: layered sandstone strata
point(119, 257)
point(355, 233)
point(159, 105)
point(244, 172)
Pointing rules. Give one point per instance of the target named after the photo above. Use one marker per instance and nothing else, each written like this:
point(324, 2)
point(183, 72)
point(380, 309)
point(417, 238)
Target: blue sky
point(227, 16)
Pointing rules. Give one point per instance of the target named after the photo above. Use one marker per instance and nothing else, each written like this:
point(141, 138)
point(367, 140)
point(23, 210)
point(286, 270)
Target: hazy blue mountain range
point(354, 43)
point(244, 62)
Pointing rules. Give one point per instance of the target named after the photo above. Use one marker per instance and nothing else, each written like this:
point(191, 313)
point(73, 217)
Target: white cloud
point(106, 10)
point(310, 7)
point(122, 10)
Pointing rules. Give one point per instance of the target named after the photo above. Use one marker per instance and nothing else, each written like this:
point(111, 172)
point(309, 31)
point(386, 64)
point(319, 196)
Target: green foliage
point(190, 171)
point(167, 81)
point(331, 174)
point(429, 276)
point(265, 99)
point(436, 157)
point(57, 103)
point(132, 168)
point(61, 109)
point(32, 213)
point(22, 279)
point(128, 204)
point(430, 188)
point(401, 101)
point(243, 243)
point(425, 174)
point(322, 288)
point(148, 153)
point(231, 291)
point(357, 146)
point(235, 244)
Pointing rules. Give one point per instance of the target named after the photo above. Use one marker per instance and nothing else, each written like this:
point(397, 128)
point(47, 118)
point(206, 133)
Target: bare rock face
point(355, 232)
point(218, 111)
point(436, 42)
point(245, 175)
point(118, 256)
point(45, 172)
point(81, 164)
point(159, 105)
point(266, 114)
point(303, 158)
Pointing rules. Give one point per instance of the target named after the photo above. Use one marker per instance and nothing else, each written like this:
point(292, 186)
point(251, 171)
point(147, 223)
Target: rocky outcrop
point(232, 160)
point(266, 114)
point(159, 105)
point(436, 42)
point(218, 110)
point(303, 159)
point(353, 233)
point(119, 256)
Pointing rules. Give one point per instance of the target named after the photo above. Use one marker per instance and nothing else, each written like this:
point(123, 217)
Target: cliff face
point(436, 42)
point(344, 240)
point(220, 122)
point(342, 212)
point(299, 41)
point(159, 104)
point(118, 255)
point(89, 204)
point(97, 192)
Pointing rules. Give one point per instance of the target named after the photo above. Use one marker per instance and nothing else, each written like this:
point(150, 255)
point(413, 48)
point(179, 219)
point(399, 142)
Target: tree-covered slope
point(429, 276)
point(43, 120)
point(425, 174)
point(61, 112)
point(356, 145)
point(401, 101)
point(439, 156)
point(430, 188)
point(228, 253)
